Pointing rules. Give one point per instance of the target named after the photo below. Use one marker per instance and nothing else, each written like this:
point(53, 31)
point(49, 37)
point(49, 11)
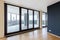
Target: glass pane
point(23, 19)
point(44, 19)
point(12, 22)
point(30, 19)
point(36, 19)
point(13, 17)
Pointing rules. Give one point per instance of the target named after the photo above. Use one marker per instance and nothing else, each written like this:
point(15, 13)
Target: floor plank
point(41, 34)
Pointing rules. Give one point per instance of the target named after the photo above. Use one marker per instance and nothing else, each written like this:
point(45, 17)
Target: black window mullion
point(39, 19)
point(5, 18)
point(20, 17)
point(33, 18)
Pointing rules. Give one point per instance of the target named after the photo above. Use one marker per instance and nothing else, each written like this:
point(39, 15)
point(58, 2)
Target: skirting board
point(2, 37)
point(54, 35)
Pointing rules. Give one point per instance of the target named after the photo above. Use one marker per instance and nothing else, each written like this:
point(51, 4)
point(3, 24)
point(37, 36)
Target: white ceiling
point(34, 4)
point(50, 2)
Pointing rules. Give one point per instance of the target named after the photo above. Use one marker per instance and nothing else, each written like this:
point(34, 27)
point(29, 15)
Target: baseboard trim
point(2, 37)
point(53, 35)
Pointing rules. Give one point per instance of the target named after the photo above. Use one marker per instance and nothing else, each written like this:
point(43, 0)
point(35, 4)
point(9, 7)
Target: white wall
point(1, 18)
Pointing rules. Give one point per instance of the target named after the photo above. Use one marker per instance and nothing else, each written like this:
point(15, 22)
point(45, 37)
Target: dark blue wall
point(54, 18)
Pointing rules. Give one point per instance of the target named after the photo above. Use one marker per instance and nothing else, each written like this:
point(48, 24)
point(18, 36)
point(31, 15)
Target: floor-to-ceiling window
point(12, 19)
point(23, 18)
point(30, 18)
point(19, 19)
point(44, 19)
point(36, 19)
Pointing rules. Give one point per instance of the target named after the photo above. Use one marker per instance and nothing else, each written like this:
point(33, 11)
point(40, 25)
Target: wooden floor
point(33, 35)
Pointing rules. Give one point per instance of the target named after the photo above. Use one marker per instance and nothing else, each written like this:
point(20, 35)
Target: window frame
point(5, 19)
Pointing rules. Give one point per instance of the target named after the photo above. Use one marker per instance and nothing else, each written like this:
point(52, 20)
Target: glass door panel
point(12, 19)
point(30, 18)
point(36, 19)
point(23, 19)
point(44, 19)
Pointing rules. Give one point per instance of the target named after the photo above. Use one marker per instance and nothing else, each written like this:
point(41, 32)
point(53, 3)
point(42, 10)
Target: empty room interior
point(29, 19)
